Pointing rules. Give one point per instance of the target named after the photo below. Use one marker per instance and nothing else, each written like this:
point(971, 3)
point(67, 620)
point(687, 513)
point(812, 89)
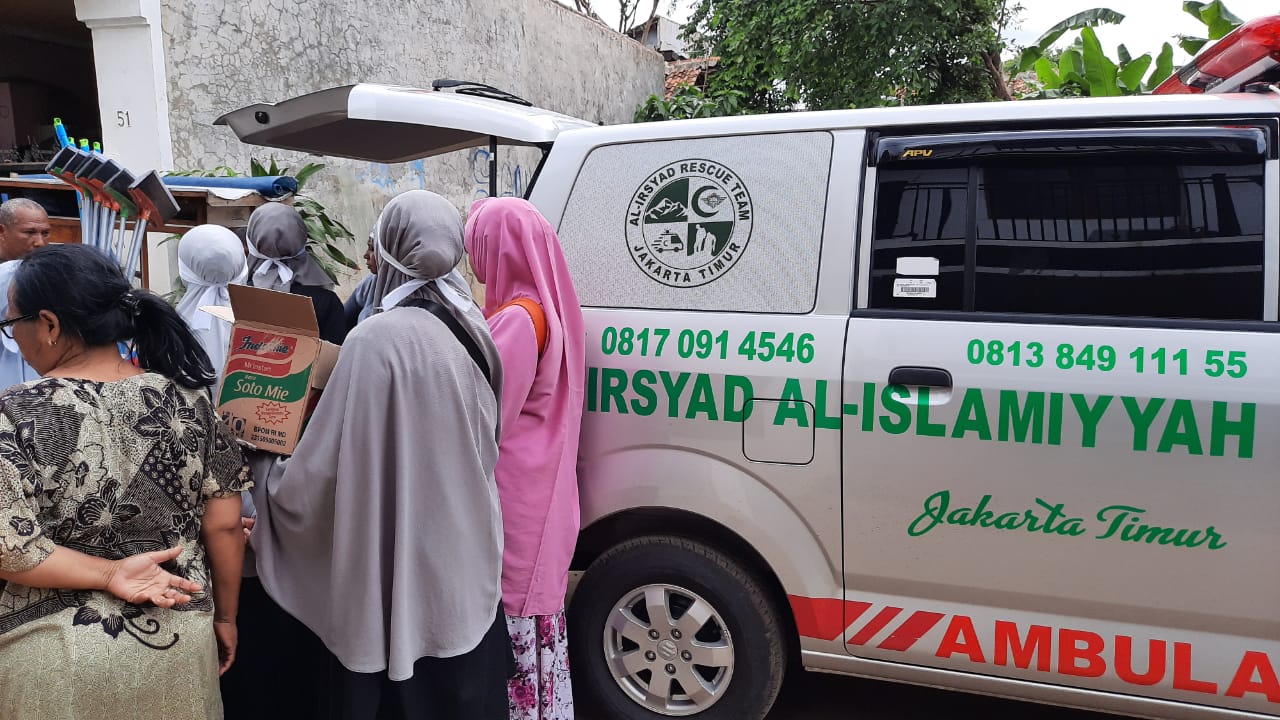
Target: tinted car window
point(1134, 233)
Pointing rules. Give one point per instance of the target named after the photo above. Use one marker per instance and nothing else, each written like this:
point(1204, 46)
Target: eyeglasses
point(6, 327)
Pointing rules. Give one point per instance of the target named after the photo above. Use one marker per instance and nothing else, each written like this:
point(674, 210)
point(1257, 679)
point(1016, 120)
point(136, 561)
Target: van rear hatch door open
point(388, 124)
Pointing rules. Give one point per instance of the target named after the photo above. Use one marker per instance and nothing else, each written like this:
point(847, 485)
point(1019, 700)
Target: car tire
point(633, 666)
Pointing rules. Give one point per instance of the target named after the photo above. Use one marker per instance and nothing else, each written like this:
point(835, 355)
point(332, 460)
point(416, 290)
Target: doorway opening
point(46, 71)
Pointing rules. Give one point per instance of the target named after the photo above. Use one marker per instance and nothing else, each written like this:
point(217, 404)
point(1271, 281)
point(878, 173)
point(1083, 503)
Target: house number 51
point(122, 119)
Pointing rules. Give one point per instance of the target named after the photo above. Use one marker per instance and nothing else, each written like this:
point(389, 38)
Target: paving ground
point(814, 696)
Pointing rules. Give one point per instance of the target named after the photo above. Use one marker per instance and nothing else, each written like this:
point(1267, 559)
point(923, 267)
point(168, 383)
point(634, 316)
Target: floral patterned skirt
point(540, 689)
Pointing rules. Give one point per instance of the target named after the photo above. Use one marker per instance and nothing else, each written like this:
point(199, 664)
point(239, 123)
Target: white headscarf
point(210, 257)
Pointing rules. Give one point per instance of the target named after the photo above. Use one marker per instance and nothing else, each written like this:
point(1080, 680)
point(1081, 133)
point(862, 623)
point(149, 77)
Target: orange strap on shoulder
point(538, 317)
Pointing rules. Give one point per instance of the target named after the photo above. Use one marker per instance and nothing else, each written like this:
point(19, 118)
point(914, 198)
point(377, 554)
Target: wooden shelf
point(196, 206)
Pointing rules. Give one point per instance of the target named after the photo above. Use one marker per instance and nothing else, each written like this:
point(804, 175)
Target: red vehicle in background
point(1249, 54)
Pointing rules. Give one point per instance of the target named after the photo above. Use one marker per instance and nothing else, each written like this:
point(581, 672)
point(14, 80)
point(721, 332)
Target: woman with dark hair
point(277, 241)
point(120, 533)
point(359, 306)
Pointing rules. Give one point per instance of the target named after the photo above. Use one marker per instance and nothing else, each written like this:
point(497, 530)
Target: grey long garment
point(383, 533)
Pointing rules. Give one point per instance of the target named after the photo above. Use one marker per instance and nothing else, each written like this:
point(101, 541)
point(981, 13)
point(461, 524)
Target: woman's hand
point(227, 634)
point(248, 526)
point(140, 579)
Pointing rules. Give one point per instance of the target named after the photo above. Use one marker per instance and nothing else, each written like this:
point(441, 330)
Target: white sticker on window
point(926, 266)
point(915, 287)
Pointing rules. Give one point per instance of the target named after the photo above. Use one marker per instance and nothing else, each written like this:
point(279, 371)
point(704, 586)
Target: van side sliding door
point(1063, 464)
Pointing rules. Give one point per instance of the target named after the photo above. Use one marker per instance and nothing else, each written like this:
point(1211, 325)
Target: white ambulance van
point(984, 397)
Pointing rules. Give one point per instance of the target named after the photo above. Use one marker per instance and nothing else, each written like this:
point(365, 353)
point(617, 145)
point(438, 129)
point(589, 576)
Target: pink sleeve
point(517, 342)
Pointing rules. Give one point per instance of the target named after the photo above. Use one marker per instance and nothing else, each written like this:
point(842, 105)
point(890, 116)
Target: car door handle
point(925, 376)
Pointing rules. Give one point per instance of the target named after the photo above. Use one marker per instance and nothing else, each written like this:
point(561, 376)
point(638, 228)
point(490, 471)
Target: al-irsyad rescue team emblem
point(689, 223)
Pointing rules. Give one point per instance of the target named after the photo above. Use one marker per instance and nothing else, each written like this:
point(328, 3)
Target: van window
point(920, 213)
point(1131, 234)
point(716, 224)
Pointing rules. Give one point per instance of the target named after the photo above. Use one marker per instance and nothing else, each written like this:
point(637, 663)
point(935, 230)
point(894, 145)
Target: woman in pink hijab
point(515, 253)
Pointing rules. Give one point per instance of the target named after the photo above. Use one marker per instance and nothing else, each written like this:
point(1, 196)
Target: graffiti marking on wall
point(511, 179)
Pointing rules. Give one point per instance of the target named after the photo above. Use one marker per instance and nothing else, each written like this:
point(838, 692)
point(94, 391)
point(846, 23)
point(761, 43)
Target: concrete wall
point(221, 56)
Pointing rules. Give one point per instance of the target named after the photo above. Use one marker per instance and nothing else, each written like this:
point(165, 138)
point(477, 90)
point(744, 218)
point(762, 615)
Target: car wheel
point(665, 626)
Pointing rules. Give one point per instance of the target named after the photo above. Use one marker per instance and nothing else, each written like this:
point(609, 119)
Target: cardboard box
point(276, 366)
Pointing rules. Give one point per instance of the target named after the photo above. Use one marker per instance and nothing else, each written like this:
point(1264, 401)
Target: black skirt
point(467, 687)
point(279, 663)
point(285, 672)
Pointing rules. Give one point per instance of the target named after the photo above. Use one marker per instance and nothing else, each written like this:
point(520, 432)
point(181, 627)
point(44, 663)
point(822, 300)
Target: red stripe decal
point(877, 624)
point(910, 631)
point(824, 618)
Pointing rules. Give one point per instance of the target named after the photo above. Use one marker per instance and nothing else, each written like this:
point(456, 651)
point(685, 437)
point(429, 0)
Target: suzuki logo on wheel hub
point(668, 650)
point(689, 222)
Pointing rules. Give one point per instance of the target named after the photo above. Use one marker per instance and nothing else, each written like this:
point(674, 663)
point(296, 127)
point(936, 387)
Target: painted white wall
point(133, 100)
point(225, 55)
point(133, 97)
point(160, 85)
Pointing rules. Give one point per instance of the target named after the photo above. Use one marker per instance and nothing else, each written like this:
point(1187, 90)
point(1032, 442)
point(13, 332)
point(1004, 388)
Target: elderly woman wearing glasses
point(120, 534)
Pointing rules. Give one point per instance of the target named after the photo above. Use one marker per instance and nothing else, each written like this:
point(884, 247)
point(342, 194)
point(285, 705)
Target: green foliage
point(1085, 69)
point(1087, 19)
point(325, 235)
point(1164, 66)
point(1101, 75)
point(819, 54)
point(1217, 19)
point(689, 102)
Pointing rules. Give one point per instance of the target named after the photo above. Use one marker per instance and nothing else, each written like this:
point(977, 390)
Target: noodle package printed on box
point(276, 367)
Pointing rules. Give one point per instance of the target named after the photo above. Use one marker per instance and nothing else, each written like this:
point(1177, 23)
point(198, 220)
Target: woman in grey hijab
point(277, 242)
point(383, 534)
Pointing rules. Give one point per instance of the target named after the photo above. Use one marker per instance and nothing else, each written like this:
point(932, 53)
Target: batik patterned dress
point(108, 469)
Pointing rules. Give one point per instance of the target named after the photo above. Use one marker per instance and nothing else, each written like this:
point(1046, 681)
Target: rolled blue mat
point(270, 186)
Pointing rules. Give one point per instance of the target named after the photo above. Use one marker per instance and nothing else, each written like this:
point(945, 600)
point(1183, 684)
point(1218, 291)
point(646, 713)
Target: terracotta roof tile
point(689, 72)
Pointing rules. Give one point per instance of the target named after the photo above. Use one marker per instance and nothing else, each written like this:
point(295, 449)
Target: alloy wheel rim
point(669, 650)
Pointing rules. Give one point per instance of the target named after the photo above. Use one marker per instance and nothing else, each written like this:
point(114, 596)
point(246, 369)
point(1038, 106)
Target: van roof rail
point(466, 87)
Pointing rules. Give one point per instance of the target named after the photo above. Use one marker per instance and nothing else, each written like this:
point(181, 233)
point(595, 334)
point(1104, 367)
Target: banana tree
point(1040, 48)
point(1217, 19)
point(1085, 69)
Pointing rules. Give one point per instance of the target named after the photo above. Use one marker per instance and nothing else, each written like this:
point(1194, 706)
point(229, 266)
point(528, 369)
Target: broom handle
point(135, 247)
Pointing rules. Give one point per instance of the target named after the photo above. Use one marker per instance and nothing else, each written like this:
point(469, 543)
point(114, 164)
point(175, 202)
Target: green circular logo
point(689, 222)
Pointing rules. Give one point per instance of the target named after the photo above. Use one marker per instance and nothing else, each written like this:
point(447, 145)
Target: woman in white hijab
point(383, 533)
point(210, 257)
